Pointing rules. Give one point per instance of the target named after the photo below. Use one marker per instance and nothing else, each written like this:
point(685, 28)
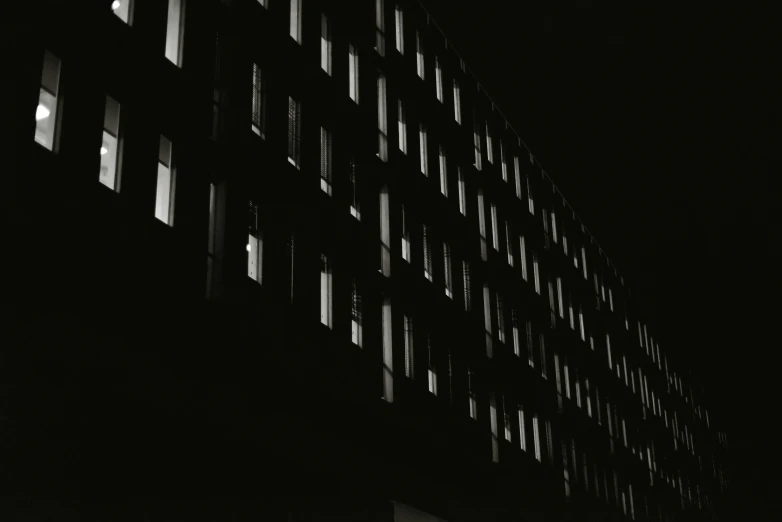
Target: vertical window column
point(382, 119)
point(175, 31)
point(295, 20)
point(47, 113)
point(110, 150)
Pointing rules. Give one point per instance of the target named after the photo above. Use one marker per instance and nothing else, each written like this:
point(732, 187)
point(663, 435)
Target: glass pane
point(46, 119)
point(108, 160)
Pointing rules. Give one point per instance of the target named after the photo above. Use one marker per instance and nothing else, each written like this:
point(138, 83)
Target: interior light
point(115, 5)
point(41, 112)
point(249, 247)
point(103, 150)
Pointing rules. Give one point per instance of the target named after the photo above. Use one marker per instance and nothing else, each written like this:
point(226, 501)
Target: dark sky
point(660, 127)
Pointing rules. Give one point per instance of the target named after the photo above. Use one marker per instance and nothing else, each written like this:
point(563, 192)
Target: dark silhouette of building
point(286, 260)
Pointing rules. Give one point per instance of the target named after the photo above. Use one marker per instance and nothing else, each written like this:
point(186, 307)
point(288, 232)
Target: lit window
point(294, 132)
point(543, 356)
point(405, 237)
point(47, 114)
point(427, 244)
point(388, 353)
point(495, 450)
point(123, 9)
point(175, 31)
point(482, 225)
point(581, 323)
point(402, 122)
point(515, 326)
point(353, 72)
point(517, 174)
point(584, 262)
point(467, 288)
point(295, 20)
point(215, 239)
point(325, 44)
point(438, 79)
point(530, 347)
point(409, 359)
point(507, 417)
point(355, 208)
point(462, 192)
point(567, 379)
point(325, 160)
point(557, 373)
point(504, 163)
point(166, 183)
point(508, 243)
point(554, 226)
point(110, 150)
point(522, 430)
point(357, 323)
point(489, 144)
point(476, 139)
point(570, 311)
point(472, 396)
point(495, 236)
point(382, 119)
point(530, 200)
point(326, 281)
point(588, 397)
point(423, 149)
point(536, 436)
point(443, 173)
point(457, 102)
point(432, 373)
point(523, 248)
point(385, 234)
point(254, 246)
point(608, 350)
point(380, 27)
point(500, 317)
point(559, 296)
point(447, 275)
point(400, 30)
point(419, 57)
point(259, 103)
point(536, 273)
point(487, 319)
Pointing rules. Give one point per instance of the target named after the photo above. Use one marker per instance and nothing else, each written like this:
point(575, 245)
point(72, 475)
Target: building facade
point(287, 259)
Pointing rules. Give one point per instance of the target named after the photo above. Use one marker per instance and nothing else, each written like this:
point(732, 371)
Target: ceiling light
point(41, 112)
point(115, 5)
point(103, 150)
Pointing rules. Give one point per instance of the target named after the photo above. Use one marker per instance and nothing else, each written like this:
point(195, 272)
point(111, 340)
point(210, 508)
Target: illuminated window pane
point(166, 183)
point(175, 31)
point(110, 148)
point(46, 113)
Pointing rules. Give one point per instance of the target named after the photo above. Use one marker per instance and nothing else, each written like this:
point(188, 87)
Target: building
point(287, 259)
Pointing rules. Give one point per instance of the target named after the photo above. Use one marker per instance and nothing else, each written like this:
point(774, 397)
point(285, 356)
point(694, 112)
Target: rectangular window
point(584, 262)
point(487, 319)
point(482, 225)
point(530, 346)
point(489, 145)
point(357, 323)
point(581, 323)
point(523, 248)
point(214, 240)
point(554, 226)
point(355, 208)
point(608, 350)
point(530, 200)
point(438, 79)
point(567, 379)
point(432, 373)
point(472, 396)
point(166, 182)
point(325, 44)
point(457, 102)
point(559, 298)
point(506, 417)
point(504, 163)
point(175, 31)
point(353, 72)
point(380, 27)
point(123, 9)
point(495, 236)
point(476, 139)
point(326, 281)
point(259, 102)
point(443, 173)
point(294, 132)
point(543, 356)
point(254, 245)
point(517, 175)
point(467, 286)
point(295, 20)
point(427, 244)
point(47, 113)
point(419, 56)
point(500, 316)
point(325, 160)
point(515, 326)
point(536, 273)
point(388, 353)
point(447, 275)
point(462, 192)
point(385, 234)
point(495, 450)
point(423, 149)
point(508, 243)
point(405, 237)
point(409, 360)
point(382, 119)
point(110, 150)
point(522, 430)
point(536, 436)
point(557, 374)
point(400, 30)
point(402, 122)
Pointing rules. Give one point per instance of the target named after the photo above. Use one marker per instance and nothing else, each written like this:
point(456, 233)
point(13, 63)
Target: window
point(517, 174)
point(325, 160)
point(380, 27)
point(443, 173)
point(530, 201)
point(295, 20)
point(536, 436)
point(432, 373)
point(581, 323)
point(382, 119)
point(357, 323)
point(515, 327)
point(419, 56)
point(47, 113)
point(487, 319)
point(259, 102)
point(504, 163)
point(215, 239)
point(557, 375)
point(438, 79)
point(355, 208)
point(254, 246)
point(530, 347)
point(508, 243)
point(567, 379)
point(402, 122)
point(457, 102)
point(325, 44)
point(584, 262)
point(353, 72)
point(427, 244)
point(476, 138)
point(608, 350)
point(123, 9)
point(506, 416)
point(462, 192)
point(405, 237)
point(423, 148)
point(409, 368)
point(543, 356)
point(166, 183)
point(467, 288)
point(559, 296)
point(294, 132)
point(472, 395)
point(111, 146)
point(447, 275)
point(495, 450)
point(536, 272)
point(522, 430)
point(482, 225)
point(400, 30)
point(495, 235)
point(554, 226)
point(175, 31)
point(523, 248)
point(500, 316)
point(388, 353)
point(326, 292)
point(489, 145)
point(385, 234)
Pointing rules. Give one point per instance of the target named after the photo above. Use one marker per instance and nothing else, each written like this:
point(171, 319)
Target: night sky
point(660, 127)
